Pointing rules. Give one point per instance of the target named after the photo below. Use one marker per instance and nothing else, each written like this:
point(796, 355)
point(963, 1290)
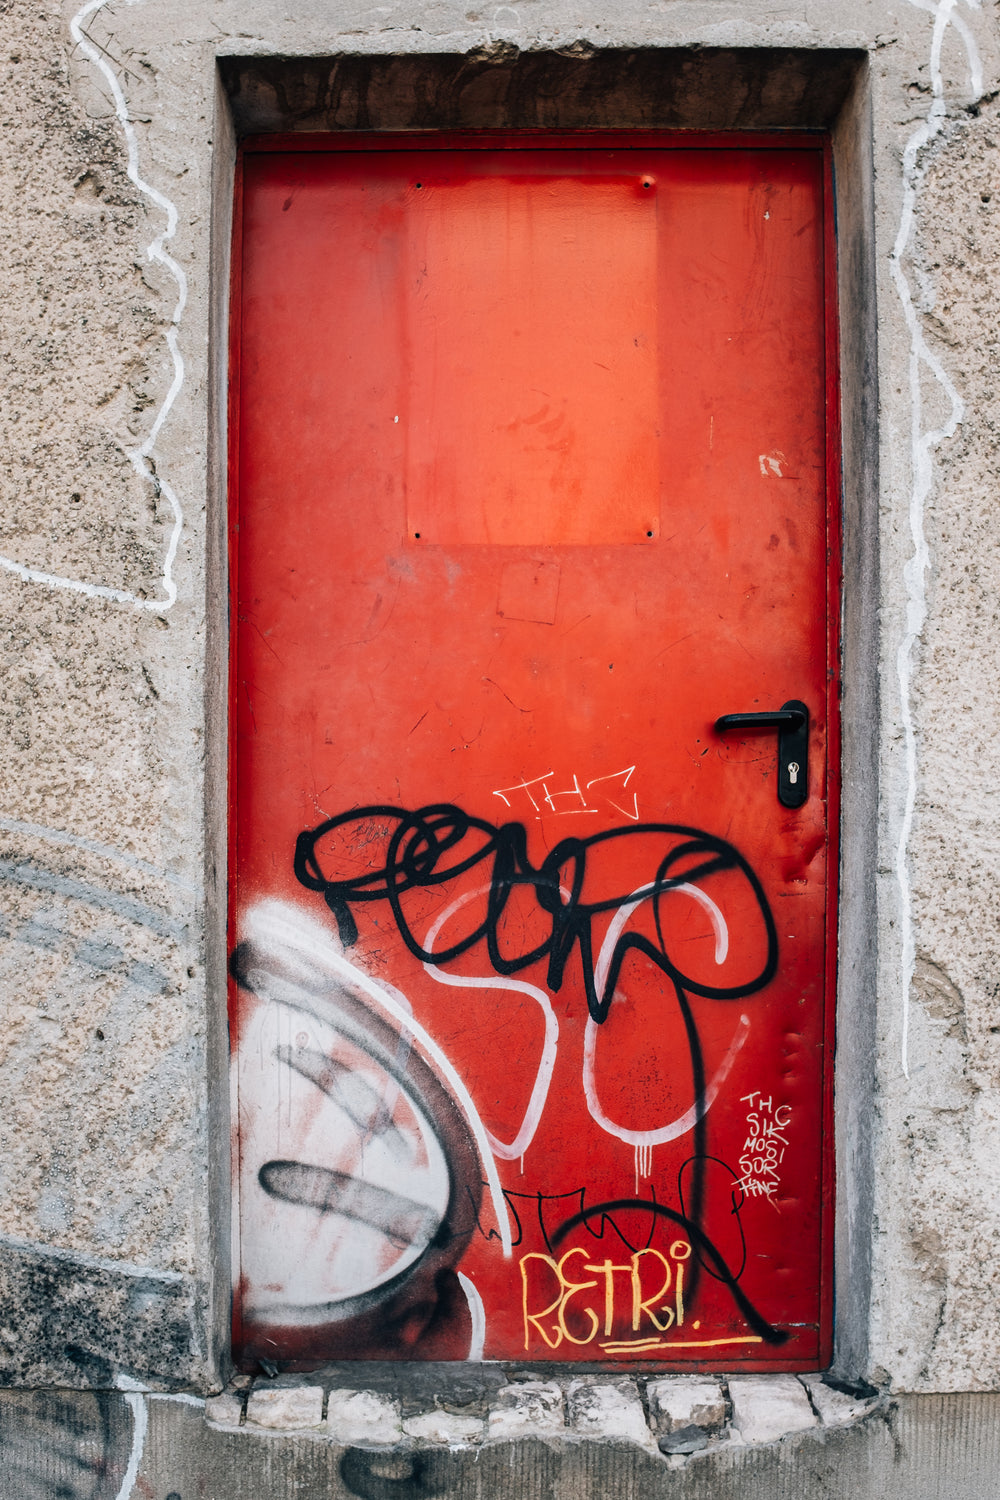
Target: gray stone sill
point(678, 1416)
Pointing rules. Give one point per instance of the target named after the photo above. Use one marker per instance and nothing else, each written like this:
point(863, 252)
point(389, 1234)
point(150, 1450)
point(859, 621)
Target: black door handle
point(791, 721)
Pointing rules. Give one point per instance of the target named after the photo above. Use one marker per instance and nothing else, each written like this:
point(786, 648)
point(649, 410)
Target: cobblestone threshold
point(675, 1415)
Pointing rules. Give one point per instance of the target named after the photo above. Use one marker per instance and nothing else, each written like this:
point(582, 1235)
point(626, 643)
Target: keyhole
point(793, 771)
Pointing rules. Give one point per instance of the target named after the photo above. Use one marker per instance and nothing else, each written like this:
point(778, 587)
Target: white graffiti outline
point(105, 851)
point(135, 1397)
point(138, 457)
point(272, 921)
point(543, 1078)
point(477, 1342)
point(643, 1139)
point(922, 447)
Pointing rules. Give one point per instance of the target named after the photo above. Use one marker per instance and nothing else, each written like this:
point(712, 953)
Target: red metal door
point(532, 974)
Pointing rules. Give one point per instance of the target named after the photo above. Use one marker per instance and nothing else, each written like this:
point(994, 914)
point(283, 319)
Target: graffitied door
point(531, 996)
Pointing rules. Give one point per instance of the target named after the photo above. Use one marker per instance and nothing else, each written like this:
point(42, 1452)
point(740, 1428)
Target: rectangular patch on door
point(533, 325)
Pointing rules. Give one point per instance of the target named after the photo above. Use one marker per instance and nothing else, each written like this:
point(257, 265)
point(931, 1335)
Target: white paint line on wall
point(135, 1397)
point(84, 1258)
point(477, 1342)
point(646, 1139)
point(138, 457)
point(923, 444)
point(106, 851)
point(507, 1151)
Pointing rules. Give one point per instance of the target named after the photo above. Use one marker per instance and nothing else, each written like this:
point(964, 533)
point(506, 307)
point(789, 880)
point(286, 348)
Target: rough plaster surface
point(102, 1078)
point(105, 1149)
point(767, 1407)
point(937, 1314)
point(105, 1446)
point(362, 1417)
point(681, 1401)
point(952, 1113)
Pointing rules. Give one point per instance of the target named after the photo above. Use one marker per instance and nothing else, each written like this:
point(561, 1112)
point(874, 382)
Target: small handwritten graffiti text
point(574, 798)
point(765, 1145)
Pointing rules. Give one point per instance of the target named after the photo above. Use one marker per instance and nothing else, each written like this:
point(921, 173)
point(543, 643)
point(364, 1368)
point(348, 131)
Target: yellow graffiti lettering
point(572, 1287)
point(608, 1270)
point(562, 1290)
point(639, 1306)
point(536, 1317)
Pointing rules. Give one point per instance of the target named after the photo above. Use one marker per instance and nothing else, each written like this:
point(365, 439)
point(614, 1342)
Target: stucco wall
point(113, 243)
point(937, 1305)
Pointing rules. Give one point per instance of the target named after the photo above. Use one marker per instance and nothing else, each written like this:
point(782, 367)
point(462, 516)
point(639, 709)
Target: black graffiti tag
point(428, 847)
point(431, 846)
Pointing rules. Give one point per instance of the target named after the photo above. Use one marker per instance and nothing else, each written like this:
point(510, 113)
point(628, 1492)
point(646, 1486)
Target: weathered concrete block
point(225, 1410)
point(444, 1427)
point(286, 1408)
point(835, 1407)
point(69, 1321)
point(679, 1401)
point(768, 1407)
point(603, 1409)
point(362, 1417)
point(533, 1408)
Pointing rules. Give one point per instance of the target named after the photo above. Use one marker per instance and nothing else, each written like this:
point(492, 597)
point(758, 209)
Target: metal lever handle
point(791, 721)
point(777, 719)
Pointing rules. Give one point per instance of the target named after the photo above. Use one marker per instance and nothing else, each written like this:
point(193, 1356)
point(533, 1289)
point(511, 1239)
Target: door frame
point(848, 1252)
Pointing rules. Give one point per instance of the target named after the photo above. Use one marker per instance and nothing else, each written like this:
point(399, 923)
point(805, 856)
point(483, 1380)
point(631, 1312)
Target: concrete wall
point(119, 141)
